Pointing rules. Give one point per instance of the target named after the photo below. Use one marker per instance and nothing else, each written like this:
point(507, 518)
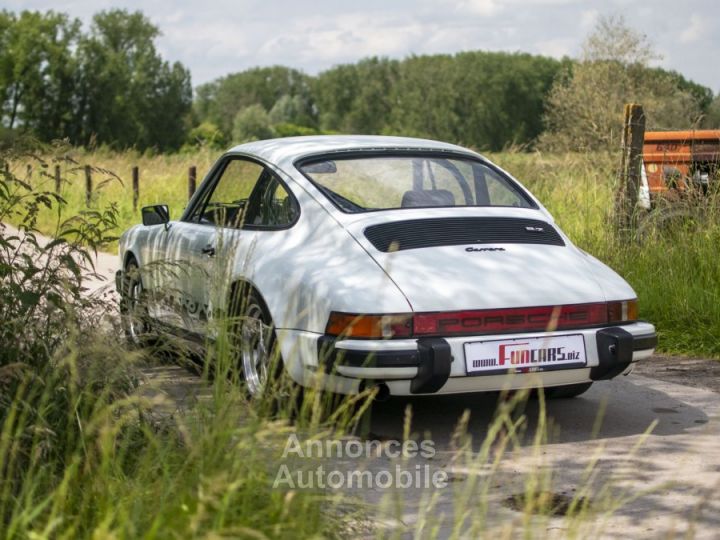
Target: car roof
point(289, 149)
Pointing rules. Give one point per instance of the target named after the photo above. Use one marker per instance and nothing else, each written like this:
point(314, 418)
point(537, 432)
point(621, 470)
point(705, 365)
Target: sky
point(214, 38)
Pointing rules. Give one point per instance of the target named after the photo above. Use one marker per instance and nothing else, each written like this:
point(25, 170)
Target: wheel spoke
point(254, 350)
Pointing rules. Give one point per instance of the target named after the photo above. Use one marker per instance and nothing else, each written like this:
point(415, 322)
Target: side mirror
point(158, 214)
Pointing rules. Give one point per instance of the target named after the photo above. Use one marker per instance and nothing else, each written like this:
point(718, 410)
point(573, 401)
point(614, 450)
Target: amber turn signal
point(623, 311)
point(353, 325)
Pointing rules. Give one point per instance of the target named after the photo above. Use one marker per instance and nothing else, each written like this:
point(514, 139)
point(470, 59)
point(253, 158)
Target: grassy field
point(674, 269)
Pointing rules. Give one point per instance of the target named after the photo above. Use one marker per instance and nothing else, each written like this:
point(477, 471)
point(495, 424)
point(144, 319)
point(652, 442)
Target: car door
point(211, 236)
point(270, 209)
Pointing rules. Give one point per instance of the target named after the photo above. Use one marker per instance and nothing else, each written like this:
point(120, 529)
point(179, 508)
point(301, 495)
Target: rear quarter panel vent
point(434, 232)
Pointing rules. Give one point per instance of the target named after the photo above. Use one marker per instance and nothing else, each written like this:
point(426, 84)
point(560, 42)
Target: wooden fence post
point(192, 180)
point(135, 186)
point(88, 185)
point(631, 174)
point(58, 179)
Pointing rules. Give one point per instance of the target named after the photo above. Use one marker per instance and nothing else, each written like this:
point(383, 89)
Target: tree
point(37, 71)
point(109, 86)
point(128, 95)
point(585, 107)
point(357, 98)
point(220, 101)
point(292, 110)
point(252, 123)
point(712, 120)
point(206, 134)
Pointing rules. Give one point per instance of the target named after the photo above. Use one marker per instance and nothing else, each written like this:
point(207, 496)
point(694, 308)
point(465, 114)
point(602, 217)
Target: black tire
point(133, 309)
point(567, 391)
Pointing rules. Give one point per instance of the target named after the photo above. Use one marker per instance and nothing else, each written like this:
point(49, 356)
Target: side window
point(492, 189)
point(501, 194)
point(271, 205)
point(226, 206)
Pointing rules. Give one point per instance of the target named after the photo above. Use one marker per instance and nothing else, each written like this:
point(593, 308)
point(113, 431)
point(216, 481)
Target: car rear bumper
point(437, 365)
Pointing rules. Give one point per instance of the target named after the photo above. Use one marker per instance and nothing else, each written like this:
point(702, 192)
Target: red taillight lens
point(533, 319)
point(353, 325)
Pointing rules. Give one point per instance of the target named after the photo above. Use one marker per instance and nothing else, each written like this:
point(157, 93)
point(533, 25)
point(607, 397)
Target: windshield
point(362, 184)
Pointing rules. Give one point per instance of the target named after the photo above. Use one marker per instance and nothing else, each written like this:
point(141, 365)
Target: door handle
point(208, 250)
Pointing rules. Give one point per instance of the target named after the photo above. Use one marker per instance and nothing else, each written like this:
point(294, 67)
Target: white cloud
point(588, 18)
point(479, 7)
point(557, 47)
point(217, 37)
point(695, 30)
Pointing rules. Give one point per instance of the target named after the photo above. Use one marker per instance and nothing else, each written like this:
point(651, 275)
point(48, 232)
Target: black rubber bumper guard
point(432, 358)
point(615, 348)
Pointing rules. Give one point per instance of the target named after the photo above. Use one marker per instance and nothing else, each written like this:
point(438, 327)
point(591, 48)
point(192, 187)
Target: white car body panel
point(462, 280)
point(324, 263)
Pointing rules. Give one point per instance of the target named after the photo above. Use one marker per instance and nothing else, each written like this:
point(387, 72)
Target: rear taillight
point(481, 322)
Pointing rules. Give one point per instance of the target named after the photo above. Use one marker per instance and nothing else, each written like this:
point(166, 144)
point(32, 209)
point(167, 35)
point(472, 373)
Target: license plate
point(522, 355)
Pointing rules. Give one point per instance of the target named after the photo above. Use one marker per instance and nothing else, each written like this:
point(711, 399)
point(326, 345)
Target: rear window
point(392, 182)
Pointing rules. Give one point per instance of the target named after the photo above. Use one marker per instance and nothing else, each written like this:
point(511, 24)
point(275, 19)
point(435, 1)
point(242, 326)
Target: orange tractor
point(678, 162)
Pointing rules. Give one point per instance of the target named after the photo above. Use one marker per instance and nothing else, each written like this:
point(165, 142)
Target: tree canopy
point(108, 85)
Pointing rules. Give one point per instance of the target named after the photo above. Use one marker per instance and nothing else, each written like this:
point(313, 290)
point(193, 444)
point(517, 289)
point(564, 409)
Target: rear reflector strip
point(532, 319)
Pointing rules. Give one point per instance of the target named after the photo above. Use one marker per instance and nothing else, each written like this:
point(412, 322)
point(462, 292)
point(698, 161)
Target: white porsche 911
point(412, 265)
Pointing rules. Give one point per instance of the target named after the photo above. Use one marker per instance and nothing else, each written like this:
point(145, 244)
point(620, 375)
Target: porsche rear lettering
point(520, 320)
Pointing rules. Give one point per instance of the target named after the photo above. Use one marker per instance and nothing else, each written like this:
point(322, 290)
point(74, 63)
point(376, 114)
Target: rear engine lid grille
point(434, 232)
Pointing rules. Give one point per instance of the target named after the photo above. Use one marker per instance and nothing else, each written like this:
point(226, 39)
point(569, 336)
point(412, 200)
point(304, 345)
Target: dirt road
point(670, 482)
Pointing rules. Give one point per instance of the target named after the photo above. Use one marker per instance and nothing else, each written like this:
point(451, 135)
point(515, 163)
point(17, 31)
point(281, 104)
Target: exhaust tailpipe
point(383, 392)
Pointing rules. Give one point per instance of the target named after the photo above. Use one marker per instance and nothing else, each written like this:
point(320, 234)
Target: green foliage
point(293, 130)
point(206, 134)
point(357, 98)
point(712, 120)
point(220, 101)
point(87, 452)
point(481, 99)
point(109, 86)
point(38, 71)
point(291, 110)
point(130, 96)
point(252, 123)
point(42, 283)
